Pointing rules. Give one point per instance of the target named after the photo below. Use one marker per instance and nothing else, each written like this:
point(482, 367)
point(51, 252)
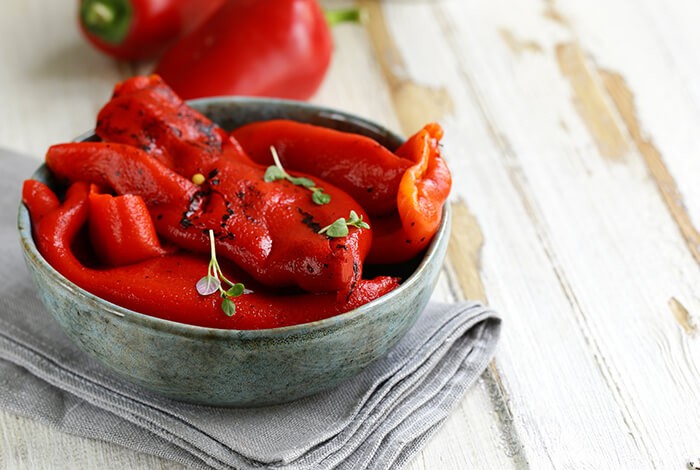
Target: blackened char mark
point(355, 278)
point(308, 220)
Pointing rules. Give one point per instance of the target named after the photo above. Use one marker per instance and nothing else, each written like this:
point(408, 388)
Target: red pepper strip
point(42, 199)
point(268, 229)
point(144, 112)
point(141, 29)
point(164, 287)
point(121, 230)
point(276, 48)
point(423, 191)
point(357, 164)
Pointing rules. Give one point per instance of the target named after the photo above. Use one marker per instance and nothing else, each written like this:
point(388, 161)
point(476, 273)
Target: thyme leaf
point(341, 227)
point(211, 283)
point(277, 172)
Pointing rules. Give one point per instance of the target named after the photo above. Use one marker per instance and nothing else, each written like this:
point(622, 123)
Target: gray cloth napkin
point(376, 420)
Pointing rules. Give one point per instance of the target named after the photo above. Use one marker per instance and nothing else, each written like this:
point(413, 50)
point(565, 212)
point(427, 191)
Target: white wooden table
point(573, 131)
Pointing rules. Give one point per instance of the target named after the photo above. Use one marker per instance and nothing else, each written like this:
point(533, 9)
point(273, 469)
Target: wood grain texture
point(594, 230)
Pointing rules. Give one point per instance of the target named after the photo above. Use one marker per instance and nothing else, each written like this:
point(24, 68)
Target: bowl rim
point(24, 226)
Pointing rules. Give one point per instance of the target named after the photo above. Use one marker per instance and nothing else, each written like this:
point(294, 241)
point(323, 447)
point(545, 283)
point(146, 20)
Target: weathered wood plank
point(597, 251)
point(26, 444)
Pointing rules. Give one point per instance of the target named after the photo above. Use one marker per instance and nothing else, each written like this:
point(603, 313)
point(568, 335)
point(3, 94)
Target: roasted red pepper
point(182, 180)
point(356, 164)
point(423, 191)
point(407, 188)
point(270, 229)
point(141, 29)
point(121, 230)
point(276, 48)
point(164, 286)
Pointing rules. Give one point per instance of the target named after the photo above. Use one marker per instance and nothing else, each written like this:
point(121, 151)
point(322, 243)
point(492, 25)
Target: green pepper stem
point(108, 20)
point(99, 14)
point(345, 15)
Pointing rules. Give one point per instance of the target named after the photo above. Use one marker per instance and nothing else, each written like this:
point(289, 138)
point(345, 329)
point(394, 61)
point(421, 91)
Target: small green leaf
point(302, 181)
point(208, 285)
point(235, 290)
point(228, 307)
point(337, 229)
point(340, 228)
point(212, 283)
point(274, 173)
point(320, 198)
point(354, 218)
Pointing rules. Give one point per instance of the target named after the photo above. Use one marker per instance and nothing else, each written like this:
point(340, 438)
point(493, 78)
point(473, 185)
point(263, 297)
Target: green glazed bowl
point(232, 367)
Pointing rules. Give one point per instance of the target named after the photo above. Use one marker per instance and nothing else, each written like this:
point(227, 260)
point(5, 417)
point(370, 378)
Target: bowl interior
point(230, 113)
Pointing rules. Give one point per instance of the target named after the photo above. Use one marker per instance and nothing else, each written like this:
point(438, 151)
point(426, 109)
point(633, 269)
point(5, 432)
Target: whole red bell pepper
point(164, 286)
point(278, 48)
point(361, 166)
point(141, 29)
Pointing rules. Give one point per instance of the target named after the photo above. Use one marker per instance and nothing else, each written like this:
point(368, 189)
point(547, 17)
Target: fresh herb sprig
point(277, 172)
point(211, 283)
point(341, 227)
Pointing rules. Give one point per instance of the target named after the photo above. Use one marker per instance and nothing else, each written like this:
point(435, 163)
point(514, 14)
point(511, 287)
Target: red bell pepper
point(141, 29)
point(164, 286)
point(361, 166)
point(121, 230)
point(270, 229)
point(278, 48)
point(145, 113)
point(405, 190)
point(422, 194)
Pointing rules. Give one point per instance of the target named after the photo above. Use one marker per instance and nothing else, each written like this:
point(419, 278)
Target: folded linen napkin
point(375, 420)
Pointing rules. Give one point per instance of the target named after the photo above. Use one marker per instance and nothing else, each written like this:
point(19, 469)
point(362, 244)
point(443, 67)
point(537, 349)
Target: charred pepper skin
point(404, 191)
point(356, 164)
point(163, 286)
point(268, 229)
point(144, 112)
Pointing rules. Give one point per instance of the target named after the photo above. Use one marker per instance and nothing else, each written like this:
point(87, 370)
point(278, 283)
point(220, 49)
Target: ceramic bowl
point(231, 367)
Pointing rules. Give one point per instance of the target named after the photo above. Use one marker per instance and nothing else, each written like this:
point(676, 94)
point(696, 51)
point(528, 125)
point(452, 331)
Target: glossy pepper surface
point(423, 191)
point(404, 190)
point(268, 229)
point(121, 231)
point(141, 29)
point(356, 164)
point(278, 48)
point(163, 285)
